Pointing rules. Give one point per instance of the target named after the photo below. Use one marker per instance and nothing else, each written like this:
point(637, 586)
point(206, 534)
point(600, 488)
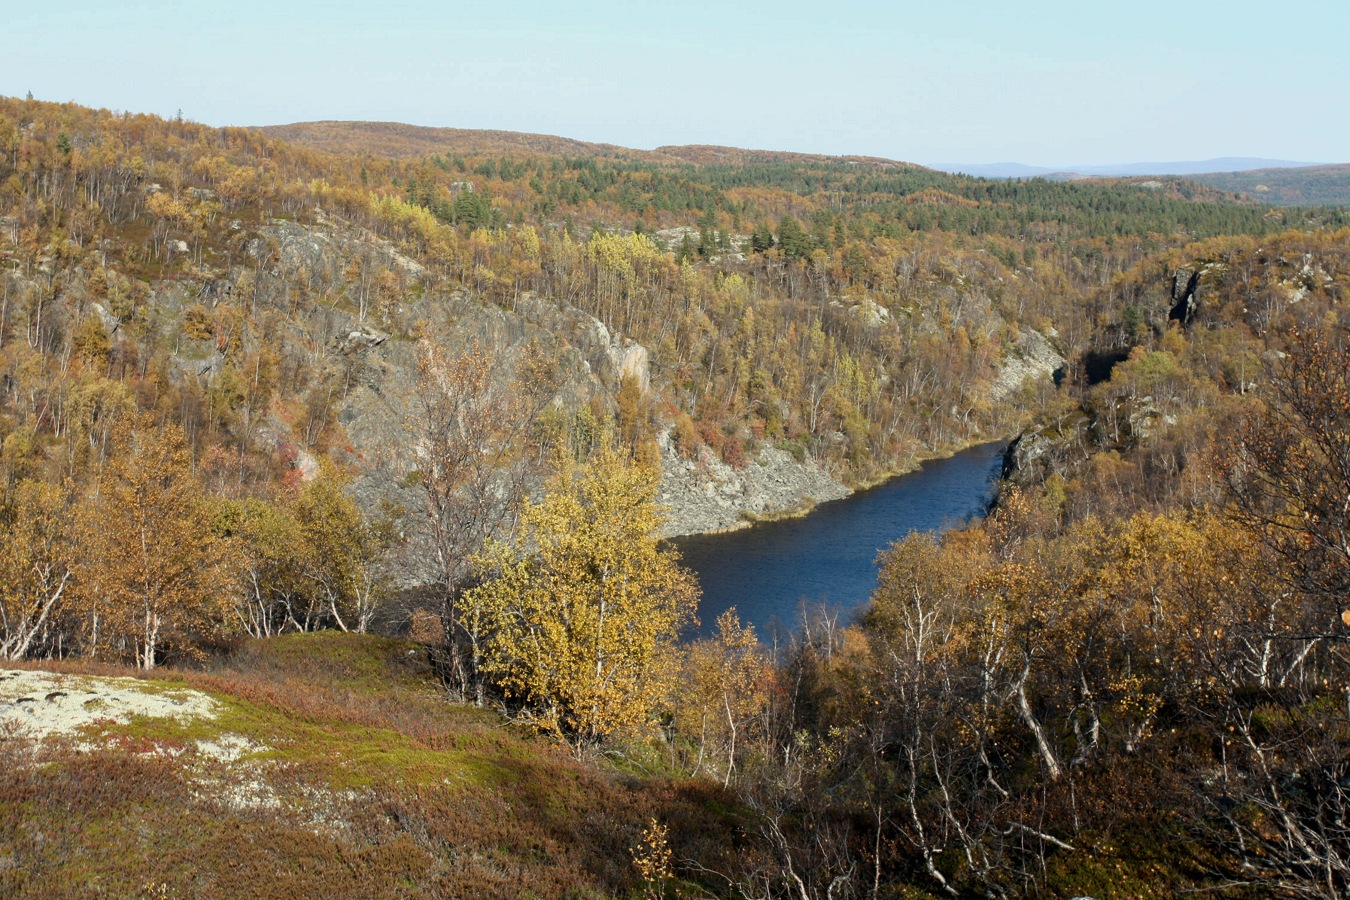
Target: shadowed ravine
point(830, 554)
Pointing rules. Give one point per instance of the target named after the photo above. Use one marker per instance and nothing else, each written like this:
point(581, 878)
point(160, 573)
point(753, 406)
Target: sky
point(1043, 83)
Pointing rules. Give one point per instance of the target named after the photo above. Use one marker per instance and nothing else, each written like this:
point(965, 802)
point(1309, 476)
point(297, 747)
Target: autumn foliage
point(579, 616)
point(1129, 678)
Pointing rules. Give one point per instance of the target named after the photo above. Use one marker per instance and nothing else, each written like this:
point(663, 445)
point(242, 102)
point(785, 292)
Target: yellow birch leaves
point(584, 605)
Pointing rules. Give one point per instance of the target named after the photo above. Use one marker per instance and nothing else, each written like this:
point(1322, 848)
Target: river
point(829, 555)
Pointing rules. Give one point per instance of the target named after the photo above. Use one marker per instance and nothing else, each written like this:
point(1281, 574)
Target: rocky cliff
point(705, 494)
point(700, 494)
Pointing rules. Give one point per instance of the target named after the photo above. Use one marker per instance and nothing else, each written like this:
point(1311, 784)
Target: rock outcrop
point(1049, 448)
point(1033, 358)
point(706, 494)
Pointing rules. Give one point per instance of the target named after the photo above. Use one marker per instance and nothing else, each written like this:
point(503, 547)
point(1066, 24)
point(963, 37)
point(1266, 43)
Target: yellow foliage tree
point(35, 563)
point(155, 568)
point(340, 551)
point(724, 688)
point(582, 610)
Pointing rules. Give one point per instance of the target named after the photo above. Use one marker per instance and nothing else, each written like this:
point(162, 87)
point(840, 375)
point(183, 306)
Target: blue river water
point(768, 571)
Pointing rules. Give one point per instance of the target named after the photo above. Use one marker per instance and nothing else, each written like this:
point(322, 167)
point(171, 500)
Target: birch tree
point(36, 563)
point(156, 570)
point(582, 609)
point(468, 427)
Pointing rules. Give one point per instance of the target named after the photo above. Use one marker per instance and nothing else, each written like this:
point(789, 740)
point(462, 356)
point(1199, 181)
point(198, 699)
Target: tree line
point(139, 561)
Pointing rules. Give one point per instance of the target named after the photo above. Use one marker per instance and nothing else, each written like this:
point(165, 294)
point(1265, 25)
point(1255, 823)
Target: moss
point(1133, 866)
point(347, 756)
point(359, 779)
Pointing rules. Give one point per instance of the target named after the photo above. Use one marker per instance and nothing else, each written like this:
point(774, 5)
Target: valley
point(373, 447)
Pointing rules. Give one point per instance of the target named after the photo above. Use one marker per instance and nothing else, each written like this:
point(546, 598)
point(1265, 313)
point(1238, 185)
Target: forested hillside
point(1302, 186)
point(1129, 680)
point(364, 377)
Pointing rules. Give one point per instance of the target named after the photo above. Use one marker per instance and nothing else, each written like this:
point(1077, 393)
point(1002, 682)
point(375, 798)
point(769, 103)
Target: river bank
point(707, 496)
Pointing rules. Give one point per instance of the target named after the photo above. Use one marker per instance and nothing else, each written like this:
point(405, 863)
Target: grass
point(357, 778)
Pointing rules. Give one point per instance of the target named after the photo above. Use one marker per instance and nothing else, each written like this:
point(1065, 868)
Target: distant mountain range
point(1121, 170)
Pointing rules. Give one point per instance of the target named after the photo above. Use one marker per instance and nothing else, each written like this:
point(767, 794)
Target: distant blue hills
point(1121, 170)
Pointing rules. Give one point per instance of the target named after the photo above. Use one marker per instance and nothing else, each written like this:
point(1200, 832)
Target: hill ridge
point(398, 139)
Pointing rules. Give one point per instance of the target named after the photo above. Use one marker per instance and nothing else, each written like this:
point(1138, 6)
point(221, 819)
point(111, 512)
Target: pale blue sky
point(1041, 82)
